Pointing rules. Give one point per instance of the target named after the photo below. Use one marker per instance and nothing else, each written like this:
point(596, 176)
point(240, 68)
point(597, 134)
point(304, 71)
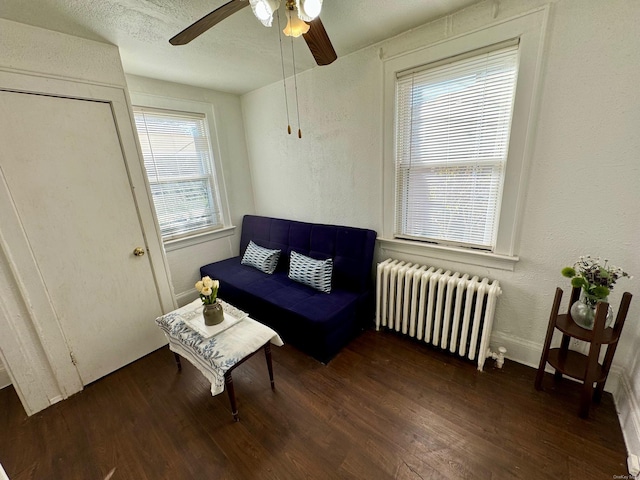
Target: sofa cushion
point(312, 272)
point(350, 248)
point(261, 258)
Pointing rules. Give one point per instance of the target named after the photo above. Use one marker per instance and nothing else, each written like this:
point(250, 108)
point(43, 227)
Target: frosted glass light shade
point(295, 27)
point(264, 10)
point(308, 9)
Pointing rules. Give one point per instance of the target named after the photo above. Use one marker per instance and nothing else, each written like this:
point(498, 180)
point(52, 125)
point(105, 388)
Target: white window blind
point(178, 161)
point(452, 134)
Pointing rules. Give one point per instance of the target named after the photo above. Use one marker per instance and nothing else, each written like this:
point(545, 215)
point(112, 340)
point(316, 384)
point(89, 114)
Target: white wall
point(583, 177)
point(333, 173)
point(185, 258)
point(30, 49)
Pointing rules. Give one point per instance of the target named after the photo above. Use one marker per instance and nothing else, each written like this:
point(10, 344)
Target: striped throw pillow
point(261, 258)
point(312, 272)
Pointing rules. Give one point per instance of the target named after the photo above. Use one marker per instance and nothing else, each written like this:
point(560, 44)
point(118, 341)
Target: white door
point(71, 190)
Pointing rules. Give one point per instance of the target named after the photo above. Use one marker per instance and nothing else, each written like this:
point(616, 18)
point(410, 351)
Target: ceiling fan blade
point(208, 21)
point(319, 43)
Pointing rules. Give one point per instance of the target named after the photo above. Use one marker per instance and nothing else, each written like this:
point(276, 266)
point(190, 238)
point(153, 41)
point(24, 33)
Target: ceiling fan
point(298, 11)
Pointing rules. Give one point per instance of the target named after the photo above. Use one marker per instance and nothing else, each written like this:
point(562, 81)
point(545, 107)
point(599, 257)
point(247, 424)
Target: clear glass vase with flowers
point(596, 279)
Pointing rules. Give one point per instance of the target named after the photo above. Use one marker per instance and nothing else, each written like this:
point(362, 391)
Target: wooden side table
point(585, 368)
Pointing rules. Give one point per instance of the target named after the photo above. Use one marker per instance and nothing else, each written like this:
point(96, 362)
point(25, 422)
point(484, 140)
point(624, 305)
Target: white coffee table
point(216, 357)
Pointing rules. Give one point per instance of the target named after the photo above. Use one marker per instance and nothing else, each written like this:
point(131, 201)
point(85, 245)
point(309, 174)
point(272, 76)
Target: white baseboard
point(528, 353)
point(184, 298)
point(518, 349)
point(628, 408)
point(5, 381)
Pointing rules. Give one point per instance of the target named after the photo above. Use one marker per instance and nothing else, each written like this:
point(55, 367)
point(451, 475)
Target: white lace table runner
point(215, 355)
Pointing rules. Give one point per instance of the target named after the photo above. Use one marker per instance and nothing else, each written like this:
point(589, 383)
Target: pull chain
point(284, 81)
point(295, 82)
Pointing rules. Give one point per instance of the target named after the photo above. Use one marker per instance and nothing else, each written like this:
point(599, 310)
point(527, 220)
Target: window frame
point(154, 102)
point(529, 29)
point(425, 162)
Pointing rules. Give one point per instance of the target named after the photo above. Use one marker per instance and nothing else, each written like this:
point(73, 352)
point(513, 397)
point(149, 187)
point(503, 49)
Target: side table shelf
point(585, 368)
point(573, 364)
point(566, 325)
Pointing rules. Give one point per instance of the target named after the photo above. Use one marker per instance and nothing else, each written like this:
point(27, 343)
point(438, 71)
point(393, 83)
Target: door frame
point(32, 345)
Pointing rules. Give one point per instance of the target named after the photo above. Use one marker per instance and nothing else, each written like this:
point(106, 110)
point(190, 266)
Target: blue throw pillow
point(261, 258)
point(312, 272)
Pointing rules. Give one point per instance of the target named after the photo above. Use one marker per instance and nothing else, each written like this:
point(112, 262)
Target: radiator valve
point(498, 357)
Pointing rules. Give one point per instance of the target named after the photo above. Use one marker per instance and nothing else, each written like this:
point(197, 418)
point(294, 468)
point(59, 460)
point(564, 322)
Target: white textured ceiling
point(237, 55)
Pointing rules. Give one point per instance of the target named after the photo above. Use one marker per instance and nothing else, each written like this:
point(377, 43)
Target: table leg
point(177, 357)
point(232, 395)
point(267, 354)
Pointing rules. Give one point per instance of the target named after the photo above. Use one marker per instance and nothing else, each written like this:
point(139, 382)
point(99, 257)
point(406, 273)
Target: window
point(453, 122)
point(179, 165)
point(454, 186)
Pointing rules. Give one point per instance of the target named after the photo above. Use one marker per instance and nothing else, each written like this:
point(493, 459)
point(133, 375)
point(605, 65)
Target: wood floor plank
point(387, 407)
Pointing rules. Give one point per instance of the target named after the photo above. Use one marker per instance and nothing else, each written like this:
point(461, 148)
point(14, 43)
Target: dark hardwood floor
point(385, 407)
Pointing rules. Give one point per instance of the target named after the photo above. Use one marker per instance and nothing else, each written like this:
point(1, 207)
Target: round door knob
point(138, 252)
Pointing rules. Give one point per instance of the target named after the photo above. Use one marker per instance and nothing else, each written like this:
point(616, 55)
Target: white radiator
point(445, 309)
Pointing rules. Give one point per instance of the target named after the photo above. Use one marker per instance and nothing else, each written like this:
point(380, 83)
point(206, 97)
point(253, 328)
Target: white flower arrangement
point(208, 290)
point(594, 277)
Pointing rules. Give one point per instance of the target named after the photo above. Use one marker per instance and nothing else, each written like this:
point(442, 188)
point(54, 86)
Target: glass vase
point(213, 314)
point(583, 311)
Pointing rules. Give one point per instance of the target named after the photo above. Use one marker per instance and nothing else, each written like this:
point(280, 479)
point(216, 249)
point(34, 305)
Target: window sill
point(454, 254)
point(198, 238)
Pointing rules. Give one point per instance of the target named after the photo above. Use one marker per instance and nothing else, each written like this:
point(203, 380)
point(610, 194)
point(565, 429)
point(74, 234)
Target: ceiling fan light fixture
point(295, 26)
point(264, 10)
point(308, 9)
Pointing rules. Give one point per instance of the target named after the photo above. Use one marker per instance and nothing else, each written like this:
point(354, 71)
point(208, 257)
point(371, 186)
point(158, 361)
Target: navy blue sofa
point(319, 324)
